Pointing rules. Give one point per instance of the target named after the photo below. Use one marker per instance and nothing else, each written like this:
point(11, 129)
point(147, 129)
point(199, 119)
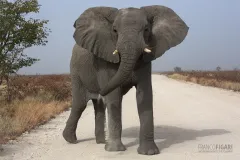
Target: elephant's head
point(122, 36)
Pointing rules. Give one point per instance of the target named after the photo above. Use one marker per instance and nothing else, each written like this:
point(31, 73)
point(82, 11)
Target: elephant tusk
point(147, 50)
point(115, 52)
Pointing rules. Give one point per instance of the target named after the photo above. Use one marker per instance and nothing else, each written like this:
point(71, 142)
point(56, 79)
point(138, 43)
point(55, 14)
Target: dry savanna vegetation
point(34, 101)
point(229, 80)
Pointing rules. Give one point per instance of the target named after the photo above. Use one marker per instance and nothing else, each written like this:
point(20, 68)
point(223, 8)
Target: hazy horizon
point(212, 39)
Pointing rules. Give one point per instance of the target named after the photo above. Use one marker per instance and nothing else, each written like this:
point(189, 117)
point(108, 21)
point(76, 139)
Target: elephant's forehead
point(127, 12)
point(132, 14)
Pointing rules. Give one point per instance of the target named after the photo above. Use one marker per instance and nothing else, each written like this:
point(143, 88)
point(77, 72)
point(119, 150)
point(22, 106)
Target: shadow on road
point(85, 140)
point(171, 135)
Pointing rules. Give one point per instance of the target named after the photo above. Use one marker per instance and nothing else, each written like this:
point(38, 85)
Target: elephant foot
point(100, 140)
point(148, 148)
point(114, 146)
point(70, 137)
point(100, 137)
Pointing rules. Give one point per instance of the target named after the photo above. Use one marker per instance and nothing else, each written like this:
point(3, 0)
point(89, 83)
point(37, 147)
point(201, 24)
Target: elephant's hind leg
point(99, 108)
point(79, 103)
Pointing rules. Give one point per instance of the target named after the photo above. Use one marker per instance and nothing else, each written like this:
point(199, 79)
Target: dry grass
point(36, 99)
point(229, 80)
point(24, 115)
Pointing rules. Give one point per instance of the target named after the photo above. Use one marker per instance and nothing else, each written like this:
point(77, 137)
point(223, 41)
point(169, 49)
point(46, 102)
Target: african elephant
point(113, 52)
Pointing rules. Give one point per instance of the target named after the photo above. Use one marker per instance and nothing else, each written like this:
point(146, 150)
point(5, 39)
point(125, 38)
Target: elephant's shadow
point(171, 135)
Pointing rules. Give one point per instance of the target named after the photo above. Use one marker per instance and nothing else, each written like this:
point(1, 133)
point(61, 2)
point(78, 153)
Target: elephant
point(113, 52)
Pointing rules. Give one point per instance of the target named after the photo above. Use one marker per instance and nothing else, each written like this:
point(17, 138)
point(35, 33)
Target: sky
point(213, 38)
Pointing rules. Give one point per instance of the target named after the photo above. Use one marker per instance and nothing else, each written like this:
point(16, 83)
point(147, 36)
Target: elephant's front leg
point(144, 97)
point(114, 108)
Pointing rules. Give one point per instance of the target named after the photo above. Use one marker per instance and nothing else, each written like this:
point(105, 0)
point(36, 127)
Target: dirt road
point(188, 118)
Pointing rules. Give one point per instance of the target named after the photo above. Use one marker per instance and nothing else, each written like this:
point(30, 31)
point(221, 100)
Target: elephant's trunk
point(129, 56)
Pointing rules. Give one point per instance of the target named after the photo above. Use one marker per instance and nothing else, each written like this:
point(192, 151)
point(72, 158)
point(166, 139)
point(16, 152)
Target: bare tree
point(177, 69)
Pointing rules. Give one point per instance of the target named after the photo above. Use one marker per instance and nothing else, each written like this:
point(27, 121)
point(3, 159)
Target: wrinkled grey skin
point(95, 70)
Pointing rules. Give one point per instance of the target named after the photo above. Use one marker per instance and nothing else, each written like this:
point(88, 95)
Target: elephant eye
point(146, 29)
point(114, 30)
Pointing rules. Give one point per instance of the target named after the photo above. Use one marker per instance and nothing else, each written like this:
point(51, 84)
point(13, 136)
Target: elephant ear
point(93, 32)
point(168, 29)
